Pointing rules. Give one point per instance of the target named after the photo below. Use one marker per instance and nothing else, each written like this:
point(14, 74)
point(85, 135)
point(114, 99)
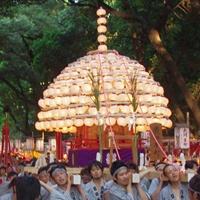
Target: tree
point(152, 22)
point(36, 43)
point(39, 38)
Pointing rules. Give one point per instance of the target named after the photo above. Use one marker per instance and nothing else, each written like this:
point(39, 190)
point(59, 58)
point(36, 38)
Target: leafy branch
point(95, 81)
point(132, 88)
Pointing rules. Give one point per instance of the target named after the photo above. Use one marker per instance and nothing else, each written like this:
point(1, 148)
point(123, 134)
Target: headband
point(56, 170)
point(119, 169)
point(192, 190)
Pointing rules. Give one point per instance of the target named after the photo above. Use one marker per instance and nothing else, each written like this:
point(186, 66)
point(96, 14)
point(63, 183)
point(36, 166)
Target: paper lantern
point(110, 121)
point(86, 88)
point(74, 89)
point(62, 113)
point(83, 99)
point(60, 124)
point(102, 47)
point(74, 99)
point(64, 91)
point(103, 111)
point(68, 122)
point(141, 121)
point(81, 110)
point(40, 115)
point(101, 29)
point(92, 111)
point(101, 12)
point(47, 125)
point(121, 121)
point(52, 144)
point(101, 20)
point(119, 85)
point(114, 109)
point(108, 86)
point(78, 122)
point(89, 121)
point(71, 112)
point(123, 97)
point(168, 123)
point(65, 101)
point(41, 103)
point(72, 129)
point(58, 101)
point(140, 128)
point(125, 109)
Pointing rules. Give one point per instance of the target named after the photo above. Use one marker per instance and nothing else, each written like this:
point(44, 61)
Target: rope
point(151, 131)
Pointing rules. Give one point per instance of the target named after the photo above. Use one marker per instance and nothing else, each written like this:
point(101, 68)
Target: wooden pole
point(135, 146)
point(111, 148)
point(59, 148)
point(100, 128)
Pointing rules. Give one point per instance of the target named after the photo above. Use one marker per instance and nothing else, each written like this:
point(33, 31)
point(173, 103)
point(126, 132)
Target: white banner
point(182, 137)
point(30, 144)
point(145, 139)
point(39, 146)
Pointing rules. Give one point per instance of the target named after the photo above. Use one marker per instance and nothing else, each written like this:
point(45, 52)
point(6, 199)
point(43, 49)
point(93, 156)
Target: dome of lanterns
point(102, 87)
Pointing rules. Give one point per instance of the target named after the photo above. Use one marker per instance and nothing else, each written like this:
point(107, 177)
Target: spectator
point(64, 190)
point(43, 175)
point(121, 185)
point(94, 188)
point(194, 187)
point(11, 175)
point(157, 183)
point(23, 188)
point(85, 176)
point(198, 171)
point(175, 189)
point(191, 164)
point(3, 173)
point(139, 189)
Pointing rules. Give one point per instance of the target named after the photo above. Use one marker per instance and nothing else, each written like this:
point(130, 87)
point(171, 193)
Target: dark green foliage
point(39, 38)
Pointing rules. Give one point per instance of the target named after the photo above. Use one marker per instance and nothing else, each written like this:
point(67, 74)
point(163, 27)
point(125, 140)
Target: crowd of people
point(52, 182)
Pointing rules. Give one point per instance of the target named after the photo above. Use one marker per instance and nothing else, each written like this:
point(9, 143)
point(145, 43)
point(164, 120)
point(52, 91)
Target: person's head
point(11, 175)
point(59, 175)
point(119, 172)
point(198, 171)
point(85, 175)
point(51, 165)
point(25, 188)
point(96, 170)
point(159, 167)
point(132, 167)
point(194, 187)
point(191, 164)
point(172, 172)
point(2, 171)
point(43, 174)
point(20, 168)
point(9, 168)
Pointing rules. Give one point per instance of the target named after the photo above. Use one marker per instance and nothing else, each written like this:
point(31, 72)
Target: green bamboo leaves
point(132, 85)
point(95, 83)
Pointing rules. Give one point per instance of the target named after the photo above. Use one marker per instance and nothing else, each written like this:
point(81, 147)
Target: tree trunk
point(171, 94)
point(170, 64)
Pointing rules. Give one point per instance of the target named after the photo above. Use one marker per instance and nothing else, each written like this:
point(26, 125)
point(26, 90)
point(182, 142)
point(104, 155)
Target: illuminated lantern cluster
point(68, 101)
